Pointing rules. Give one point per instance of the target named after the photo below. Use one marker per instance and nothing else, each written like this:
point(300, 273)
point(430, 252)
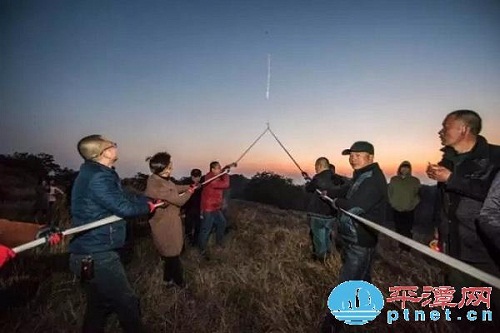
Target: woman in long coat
point(166, 223)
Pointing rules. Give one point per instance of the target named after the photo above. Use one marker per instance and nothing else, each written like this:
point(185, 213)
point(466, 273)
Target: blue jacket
point(97, 194)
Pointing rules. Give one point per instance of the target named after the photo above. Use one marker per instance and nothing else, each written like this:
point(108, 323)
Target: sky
point(190, 78)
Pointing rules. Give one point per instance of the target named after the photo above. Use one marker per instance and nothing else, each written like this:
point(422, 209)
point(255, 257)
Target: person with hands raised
point(211, 207)
point(227, 168)
point(166, 223)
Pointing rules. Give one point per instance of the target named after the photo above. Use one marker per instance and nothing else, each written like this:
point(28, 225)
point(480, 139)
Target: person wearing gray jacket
point(488, 223)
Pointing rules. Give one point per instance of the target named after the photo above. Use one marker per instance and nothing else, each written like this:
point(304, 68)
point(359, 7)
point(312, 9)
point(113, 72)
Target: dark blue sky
point(189, 77)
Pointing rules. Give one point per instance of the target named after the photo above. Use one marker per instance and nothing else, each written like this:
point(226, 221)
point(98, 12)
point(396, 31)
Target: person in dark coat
point(464, 177)
point(192, 209)
point(320, 214)
point(488, 223)
point(94, 257)
point(366, 197)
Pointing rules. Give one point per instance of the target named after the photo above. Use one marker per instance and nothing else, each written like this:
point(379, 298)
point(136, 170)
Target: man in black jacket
point(366, 197)
point(321, 216)
point(192, 209)
point(464, 176)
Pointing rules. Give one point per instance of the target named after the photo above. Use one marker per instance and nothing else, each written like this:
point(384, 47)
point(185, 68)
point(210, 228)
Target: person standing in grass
point(464, 175)
point(367, 198)
point(211, 207)
point(320, 213)
point(53, 192)
point(94, 257)
point(166, 223)
point(191, 209)
point(404, 198)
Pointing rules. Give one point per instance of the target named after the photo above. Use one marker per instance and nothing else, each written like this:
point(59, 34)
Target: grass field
point(262, 281)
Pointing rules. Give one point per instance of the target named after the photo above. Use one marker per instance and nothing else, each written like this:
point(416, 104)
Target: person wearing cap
point(367, 198)
point(404, 198)
point(94, 257)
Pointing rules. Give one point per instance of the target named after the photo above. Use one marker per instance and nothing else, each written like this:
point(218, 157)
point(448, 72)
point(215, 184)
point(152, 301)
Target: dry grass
point(262, 281)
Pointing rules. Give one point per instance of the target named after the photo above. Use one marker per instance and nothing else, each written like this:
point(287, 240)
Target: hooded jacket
point(403, 190)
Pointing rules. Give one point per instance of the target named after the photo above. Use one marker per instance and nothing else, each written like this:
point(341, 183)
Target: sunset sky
point(189, 77)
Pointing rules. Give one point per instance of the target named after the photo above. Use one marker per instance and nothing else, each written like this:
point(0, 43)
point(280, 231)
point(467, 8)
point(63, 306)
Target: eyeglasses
point(112, 145)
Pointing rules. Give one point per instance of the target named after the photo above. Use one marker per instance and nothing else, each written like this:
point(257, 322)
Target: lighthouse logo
point(355, 302)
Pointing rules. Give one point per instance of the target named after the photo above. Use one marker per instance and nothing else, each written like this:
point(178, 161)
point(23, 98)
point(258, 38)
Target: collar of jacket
point(325, 172)
point(480, 149)
point(364, 169)
point(93, 164)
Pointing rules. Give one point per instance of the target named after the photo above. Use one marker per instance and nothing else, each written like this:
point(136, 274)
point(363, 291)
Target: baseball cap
point(360, 147)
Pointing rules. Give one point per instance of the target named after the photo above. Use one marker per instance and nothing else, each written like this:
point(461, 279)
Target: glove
point(155, 204)
point(55, 238)
point(193, 188)
point(52, 234)
point(229, 166)
point(5, 254)
point(434, 244)
point(306, 176)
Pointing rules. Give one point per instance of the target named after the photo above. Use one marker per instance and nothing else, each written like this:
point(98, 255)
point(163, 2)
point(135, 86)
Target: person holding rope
point(166, 223)
point(464, 176)
point(366, 197)
point(211, 206)
point(94, 256)
point(320, 213)
point(191, 209)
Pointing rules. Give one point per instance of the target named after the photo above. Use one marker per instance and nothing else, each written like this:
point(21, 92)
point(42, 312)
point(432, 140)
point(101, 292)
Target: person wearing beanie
point(404, 197)
point(94, 257)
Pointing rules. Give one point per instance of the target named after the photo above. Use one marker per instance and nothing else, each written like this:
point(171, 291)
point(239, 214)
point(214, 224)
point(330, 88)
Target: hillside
point(262, 281)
